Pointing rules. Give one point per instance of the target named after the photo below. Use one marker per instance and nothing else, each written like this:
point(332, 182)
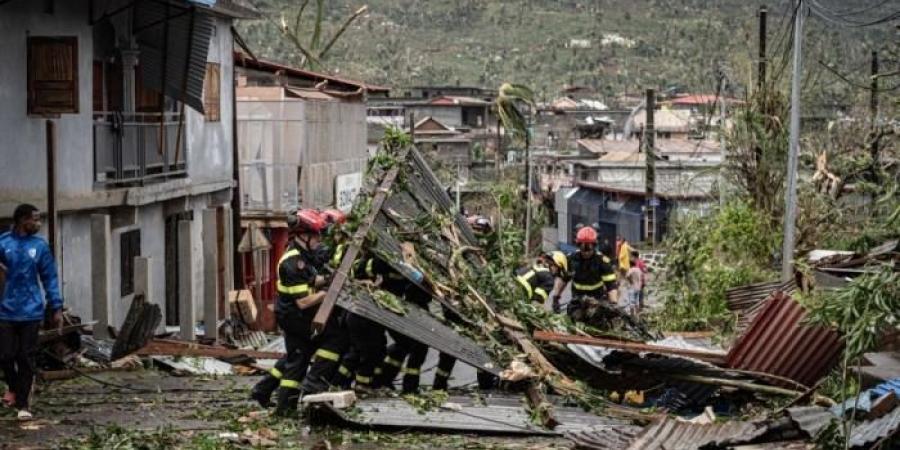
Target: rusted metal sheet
point(671, 434)
point(181, 348)
point(747, 301)
point(778, 342)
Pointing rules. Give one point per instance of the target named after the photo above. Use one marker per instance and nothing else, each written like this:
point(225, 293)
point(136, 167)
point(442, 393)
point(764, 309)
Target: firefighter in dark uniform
point(405, 348)
point(593, 275)
point(334, 341)
point(298, 279)
point(539, 280)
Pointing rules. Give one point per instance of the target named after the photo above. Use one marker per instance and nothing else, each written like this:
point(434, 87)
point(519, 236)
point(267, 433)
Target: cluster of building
point(146, 130)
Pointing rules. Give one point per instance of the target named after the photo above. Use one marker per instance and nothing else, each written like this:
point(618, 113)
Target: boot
point(410, 383)
point(262, 391)
point(288, 399)
point(440, 383)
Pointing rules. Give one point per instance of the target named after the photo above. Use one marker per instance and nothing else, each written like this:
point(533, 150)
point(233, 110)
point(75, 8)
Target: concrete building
point(117, 119)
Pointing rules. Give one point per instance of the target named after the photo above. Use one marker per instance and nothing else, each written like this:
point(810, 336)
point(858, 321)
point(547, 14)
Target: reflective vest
point(535, 282)
point(592, 274)
point(292, 281)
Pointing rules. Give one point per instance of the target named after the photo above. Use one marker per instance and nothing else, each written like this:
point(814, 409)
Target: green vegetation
point(613, 46)
point(708, 255)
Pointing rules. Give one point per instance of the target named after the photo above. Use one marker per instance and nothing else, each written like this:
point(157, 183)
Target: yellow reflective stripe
point(370, 271)
point(609, 277)
point(288, 254)
point(299, 289)
point(328, 354)
point(338, 255)
point(378, 371)
point(290, 384)
point(442, 373)
point(525, 284)
point(276, 373)
point(412, 370)
point(363, 380)
point(344, 371)
point(541, 293)
point(392, 361)
point(588, 287)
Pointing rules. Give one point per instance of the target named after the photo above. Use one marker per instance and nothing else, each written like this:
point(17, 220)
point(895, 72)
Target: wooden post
point(761, 77)
point(186, 314)
point(51, 185)
point(873, 98)
point(210, 274)
point(101, 255)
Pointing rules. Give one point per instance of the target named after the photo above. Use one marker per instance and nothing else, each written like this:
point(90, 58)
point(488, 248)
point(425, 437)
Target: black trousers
point(368, 341)
point(18, 344)
point(403, 348)
point(299, 347)
point(332, 345)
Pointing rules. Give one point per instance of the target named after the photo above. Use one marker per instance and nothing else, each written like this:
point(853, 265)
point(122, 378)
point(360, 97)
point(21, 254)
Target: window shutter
point(52, 75)
point(212, 92)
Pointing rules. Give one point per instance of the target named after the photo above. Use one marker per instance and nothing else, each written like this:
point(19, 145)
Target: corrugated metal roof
point(174, 42)
point(811, 419)
point(419, 325)
point(747, 301)
point(875, 430)
point(779, 343)
point(487, 415)
point(605, 437)
point(671, 434)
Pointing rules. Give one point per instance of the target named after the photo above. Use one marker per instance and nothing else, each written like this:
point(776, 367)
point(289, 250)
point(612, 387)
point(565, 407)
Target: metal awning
point(174, 41)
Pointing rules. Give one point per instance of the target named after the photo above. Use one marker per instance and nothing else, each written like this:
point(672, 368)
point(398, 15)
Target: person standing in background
point(29, 266)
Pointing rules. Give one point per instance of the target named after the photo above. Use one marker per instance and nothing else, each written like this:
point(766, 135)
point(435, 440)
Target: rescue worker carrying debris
point(593, 276)
point(295, 308)
point(539, 280)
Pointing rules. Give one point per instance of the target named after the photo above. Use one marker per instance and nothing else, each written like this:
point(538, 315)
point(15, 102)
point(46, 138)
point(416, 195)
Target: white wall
point(23, 145)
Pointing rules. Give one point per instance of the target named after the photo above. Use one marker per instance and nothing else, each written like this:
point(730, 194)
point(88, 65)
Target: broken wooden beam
point(340, 276)
point(165, 347)
point(710, 357)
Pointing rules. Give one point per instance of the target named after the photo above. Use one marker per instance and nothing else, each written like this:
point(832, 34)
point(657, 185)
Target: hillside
point(614, 46)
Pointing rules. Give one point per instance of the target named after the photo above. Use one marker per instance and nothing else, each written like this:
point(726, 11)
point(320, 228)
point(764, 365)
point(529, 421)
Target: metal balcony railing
point(138, 148)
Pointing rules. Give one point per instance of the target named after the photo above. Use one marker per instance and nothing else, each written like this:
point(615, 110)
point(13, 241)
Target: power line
point(823, 12)
point(853, 83)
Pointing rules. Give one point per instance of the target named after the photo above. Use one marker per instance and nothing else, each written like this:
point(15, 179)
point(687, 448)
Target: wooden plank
point(164, 347)
point(340, 277)
point(710, 357)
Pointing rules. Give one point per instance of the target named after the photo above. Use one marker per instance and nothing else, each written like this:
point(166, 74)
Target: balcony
point(138, 148)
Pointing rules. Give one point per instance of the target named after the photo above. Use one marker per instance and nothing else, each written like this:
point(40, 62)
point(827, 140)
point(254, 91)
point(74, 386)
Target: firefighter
point(539, 280)
point(405, 348)
point(297, 280)
point(334, 341)
point(592, 273)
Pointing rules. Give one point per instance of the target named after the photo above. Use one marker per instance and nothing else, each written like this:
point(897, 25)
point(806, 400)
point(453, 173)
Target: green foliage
point(509, 99)
point(861, 311)
point(427, 400)
point(707, 256)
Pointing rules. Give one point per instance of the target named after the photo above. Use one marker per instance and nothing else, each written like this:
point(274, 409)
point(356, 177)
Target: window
point(52, 75)
point(129, 248)
point(212, 90)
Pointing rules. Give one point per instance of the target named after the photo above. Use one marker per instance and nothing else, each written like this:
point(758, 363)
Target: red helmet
point(586, 235)
point(306, 221)
point(333, 216)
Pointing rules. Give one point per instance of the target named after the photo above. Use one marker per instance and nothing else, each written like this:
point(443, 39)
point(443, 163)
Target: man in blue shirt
point(29, 266)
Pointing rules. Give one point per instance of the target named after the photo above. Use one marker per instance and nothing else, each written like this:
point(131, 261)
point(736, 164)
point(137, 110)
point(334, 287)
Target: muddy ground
point(151, 409)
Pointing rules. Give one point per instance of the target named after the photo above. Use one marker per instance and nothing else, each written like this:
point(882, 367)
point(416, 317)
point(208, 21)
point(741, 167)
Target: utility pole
point(650, 157)
point(761, 75)
point(528, 185)
point(873, 99)
point(790, 195)
point(722, 137)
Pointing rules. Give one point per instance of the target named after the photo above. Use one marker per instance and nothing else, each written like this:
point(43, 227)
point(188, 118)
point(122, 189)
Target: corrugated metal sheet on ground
point(419, 325)
point(604, 437)
point(671, 434)
point(779, 343)
point(811, 419)
point(874, 431)
point(747, 301)
point(490, 415)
